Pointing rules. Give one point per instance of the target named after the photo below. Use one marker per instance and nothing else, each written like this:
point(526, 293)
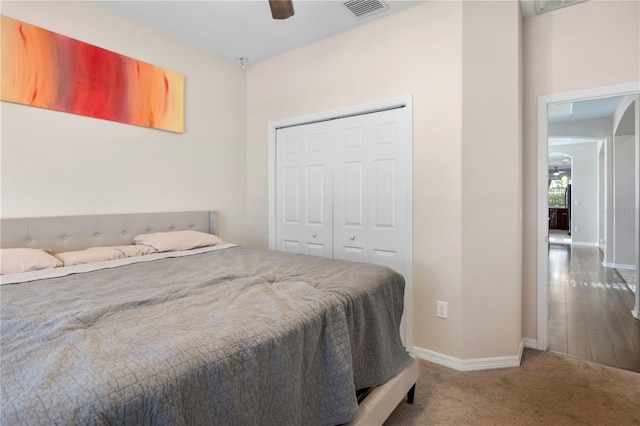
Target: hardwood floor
point(589, 315)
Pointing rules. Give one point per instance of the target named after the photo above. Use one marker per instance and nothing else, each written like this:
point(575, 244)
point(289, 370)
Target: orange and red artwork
point(48, 70)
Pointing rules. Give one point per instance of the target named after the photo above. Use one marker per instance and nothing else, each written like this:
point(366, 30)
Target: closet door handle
point(353, 237)
point(314, 235)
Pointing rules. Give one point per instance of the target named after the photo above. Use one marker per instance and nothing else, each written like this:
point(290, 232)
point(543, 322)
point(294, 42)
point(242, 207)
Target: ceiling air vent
point(549, 5)
point(365, 8)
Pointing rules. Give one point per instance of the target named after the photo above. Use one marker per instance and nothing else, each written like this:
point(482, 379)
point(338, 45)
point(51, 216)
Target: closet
point(343, 189)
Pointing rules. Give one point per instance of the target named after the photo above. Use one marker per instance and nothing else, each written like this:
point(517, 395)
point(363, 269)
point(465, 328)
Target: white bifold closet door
point(304, 176)
point(342, 188)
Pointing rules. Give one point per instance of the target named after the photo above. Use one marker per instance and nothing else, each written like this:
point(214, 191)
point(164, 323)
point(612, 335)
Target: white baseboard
point(623, 266)
point(520, 350)
point(585, 243)
point(619, 266)
point(530, 343)
point(470, 364)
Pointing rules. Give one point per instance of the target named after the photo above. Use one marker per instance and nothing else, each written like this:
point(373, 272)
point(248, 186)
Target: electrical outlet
point(576, 229)
point(441, 309)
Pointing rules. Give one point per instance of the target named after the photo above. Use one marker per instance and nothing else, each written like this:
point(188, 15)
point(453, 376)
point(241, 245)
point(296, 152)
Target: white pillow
point(132, 250)
point(177, 240)
point(14, 260)
point(90, 255)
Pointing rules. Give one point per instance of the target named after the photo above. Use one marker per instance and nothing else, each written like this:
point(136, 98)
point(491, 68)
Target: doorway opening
point(559, 196)
point(577, 290)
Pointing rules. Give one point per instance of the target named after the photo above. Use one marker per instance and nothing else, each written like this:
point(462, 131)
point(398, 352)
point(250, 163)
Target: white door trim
point(405, 102)
point(542, 240)
point(636, 309)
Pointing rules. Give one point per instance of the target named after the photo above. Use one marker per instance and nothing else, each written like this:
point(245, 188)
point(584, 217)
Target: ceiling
point(244, 28)
point(561, 163)
point(583, 110)
point(578, 110)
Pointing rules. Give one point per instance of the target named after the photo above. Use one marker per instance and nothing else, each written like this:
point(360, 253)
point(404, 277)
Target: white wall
point(584, 190)
point(491, 195)
point(587, 45)
point(422, 52)
point(602, 202)
point(624, 201)
point(55, 163)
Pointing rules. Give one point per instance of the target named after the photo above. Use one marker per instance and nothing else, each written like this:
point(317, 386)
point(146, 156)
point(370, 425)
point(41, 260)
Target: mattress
point(233, 336)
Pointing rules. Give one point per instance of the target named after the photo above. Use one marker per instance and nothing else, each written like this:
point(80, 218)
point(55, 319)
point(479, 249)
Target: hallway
point(589, 315)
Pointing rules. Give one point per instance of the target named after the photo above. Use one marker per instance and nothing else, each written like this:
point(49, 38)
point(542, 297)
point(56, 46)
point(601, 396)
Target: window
point(558, 191)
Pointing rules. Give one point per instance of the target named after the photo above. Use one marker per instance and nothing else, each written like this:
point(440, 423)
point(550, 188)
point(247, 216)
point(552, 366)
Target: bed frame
point(69, 233)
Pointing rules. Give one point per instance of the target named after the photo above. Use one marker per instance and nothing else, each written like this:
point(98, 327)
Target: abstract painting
point(48, 70)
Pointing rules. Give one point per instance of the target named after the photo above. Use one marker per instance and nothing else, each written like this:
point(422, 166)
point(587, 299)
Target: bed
point(220, 334)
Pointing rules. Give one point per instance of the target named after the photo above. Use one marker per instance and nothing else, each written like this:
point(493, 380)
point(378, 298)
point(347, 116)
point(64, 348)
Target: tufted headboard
point(69, 233)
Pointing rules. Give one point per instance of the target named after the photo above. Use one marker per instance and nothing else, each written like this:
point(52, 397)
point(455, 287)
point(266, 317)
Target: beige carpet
point(547, 389)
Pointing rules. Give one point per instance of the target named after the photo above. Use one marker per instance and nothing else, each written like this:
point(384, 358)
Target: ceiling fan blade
point(281, 9)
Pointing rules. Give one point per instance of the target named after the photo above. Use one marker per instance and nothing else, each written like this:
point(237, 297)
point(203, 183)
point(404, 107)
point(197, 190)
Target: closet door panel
point(352, 194)
point(342, 188)
point(289, 156)
point(318, 232)
point(304, 190)
point(388, 228)
point(384, 194)
point(291, 195)
point(350, 197)
point(374, 142)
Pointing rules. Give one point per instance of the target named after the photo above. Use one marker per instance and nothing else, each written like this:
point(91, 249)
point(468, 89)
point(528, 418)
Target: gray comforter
point(235, 336)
